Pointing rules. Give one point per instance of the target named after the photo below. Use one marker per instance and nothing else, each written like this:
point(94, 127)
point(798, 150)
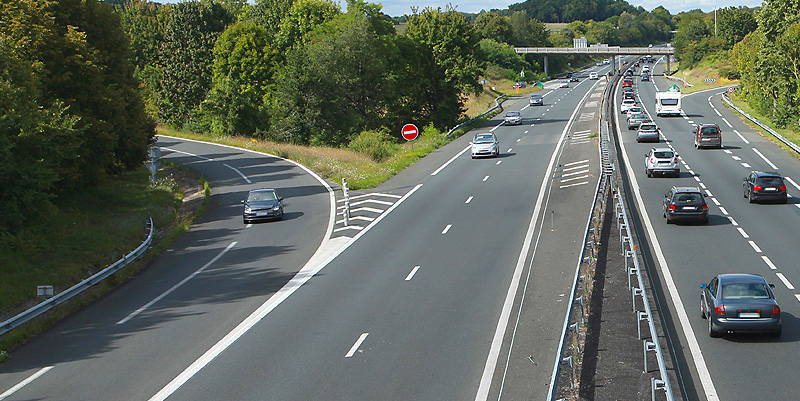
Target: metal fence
point(762, 125)
point(497, 104)
point(77, 289)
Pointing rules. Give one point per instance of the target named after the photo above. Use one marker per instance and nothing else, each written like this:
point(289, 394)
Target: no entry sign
point(731, 89)
point(410, 132)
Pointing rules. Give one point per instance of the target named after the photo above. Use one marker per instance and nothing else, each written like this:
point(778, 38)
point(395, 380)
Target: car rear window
point(709, 130)
point(647, 127)
point(745, 291)
point(688, 198)
point(669, 102)
point(772, 181)
point(663, 155)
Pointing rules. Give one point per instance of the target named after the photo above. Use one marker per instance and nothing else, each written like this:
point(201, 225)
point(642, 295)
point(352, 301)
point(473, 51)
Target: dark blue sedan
point(262, 204)
point(740, 303)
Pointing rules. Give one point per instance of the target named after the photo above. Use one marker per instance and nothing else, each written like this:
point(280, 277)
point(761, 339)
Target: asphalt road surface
point(740, 238)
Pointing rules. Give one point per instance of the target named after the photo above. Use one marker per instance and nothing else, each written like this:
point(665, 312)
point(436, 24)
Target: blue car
point(262, 204)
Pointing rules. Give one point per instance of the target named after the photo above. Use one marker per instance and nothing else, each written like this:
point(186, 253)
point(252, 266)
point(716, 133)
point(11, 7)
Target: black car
point(645, 77)
point(685, 203)
point(764, 185)
point(740, 303)
point(262, 204)
point(628, 94)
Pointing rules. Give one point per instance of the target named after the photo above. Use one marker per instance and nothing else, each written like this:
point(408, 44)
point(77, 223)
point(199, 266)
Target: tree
point(493, 26)
point(269, 14)
point(733, 24)
point(186, 58)
point(526, 31)
point(449, 63)
point(303, 16)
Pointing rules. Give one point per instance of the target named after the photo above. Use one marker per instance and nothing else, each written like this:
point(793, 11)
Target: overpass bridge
point(603, 50)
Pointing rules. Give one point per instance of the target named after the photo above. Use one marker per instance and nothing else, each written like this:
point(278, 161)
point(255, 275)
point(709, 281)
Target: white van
point(592, 75)
point(668, 104)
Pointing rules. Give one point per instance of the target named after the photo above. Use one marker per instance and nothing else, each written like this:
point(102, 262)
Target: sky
point(398, 8)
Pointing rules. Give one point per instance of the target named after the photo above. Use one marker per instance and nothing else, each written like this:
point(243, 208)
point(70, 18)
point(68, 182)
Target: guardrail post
point(622, 235)
point(648, 346)
point(634, 293)
point(656, 384)
point(574, 327)
point(642, 316)
point(568, 361)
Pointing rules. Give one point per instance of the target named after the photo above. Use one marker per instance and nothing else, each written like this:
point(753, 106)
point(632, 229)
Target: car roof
point(662, 150)
point(767, 174)
point(708, 125)
point(685, 189)
point(484, 134)
point(262, 190)
point(512, 112)
point(740, 278)
point(536, 95)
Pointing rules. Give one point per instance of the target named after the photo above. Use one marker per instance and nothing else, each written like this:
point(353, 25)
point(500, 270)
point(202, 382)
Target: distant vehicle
point(648, 132)
point(764, 185)
point(599, 63)
point(661, 161)
point(707, 136)
point(740, 303)
point(633, 109)
point(646, 77)
point(626, 104)
point(685, 203)
point(593, 75)
point(536, 100)
point(635, 120)
point(628, 94)
point(628, 73)
point(627, 83)
point(668, 103)
point(262, 204)
point(513, 118)
point(485, 145)
point(564, 84)
point(520, 84)
point(606, 61)
point(574, 78)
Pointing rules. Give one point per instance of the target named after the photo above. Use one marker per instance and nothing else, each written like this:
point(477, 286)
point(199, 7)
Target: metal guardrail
point(762, 125)
point(497, 104)
point(678, 79)
point(77, 289)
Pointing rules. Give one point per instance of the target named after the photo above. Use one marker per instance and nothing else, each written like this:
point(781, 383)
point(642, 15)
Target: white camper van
point(669, 103)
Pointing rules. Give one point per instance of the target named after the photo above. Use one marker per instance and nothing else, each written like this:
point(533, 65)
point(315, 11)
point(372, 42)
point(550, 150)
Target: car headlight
point(247, 209)
point(276, 207)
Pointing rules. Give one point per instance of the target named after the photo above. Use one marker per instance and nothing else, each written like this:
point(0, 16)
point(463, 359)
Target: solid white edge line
point(309, 270)
point(413, 272)
point(765, 159)
point(785, 281)
point(355, 346)
point(769, 262)
point(694, 347)
point(178, 285)
point(25, 382)
point(447, 163)
point(505, 314)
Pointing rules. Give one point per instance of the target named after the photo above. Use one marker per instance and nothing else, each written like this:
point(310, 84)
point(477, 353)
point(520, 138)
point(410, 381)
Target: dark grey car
point(740, 303)
point(764, 185)
point(685, 203)
point(262, 204)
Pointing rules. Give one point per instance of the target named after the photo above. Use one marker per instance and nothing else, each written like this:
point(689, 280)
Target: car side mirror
point(744, 179)
point(703, 286)
point(705, 195)
point(470, 143)
point(772, 286)
point(664, 196)
point(694, 131)
point(242, 201)
point(280, 199)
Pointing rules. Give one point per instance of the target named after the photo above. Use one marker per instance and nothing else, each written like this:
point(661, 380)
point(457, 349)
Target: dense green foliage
point(71, 110)
point(572, 10)
point(768, 60)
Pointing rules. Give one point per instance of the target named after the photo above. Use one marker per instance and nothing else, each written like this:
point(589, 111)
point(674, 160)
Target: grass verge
point(90, 230)
point(791, 133)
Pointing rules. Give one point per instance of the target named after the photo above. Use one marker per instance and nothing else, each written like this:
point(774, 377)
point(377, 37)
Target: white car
point(513, 118)
point(593, 75)
point(662, 161)
point(627, 104)
point(564, 84)
point(648, 132)
point(485, 145)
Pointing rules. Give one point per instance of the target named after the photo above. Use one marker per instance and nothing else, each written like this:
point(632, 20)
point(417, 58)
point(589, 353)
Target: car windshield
point(688, 198)
point(513, 114)
point(771, 181)
point(648, 127)
point(709, 130)
point(535, 97)
point(663, 154)
point(745, 291)
point(483, 139)
point(264, 196)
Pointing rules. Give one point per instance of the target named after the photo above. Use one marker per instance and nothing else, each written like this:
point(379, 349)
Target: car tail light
point(756, 187)
point(671, 207)
point(776, 310)
point(782, 188)
point(676, 160)
point(720, 309)
point(652, 160)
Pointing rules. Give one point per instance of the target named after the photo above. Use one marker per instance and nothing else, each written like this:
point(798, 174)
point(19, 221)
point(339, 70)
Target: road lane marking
point(797, 296)
point(726, 122)
point(496, 127)
point(574, 185)
point(577, 162)
point(765, 159)
point(485, 178)
point(446, 229)
point(469, 200)
point(575, 173)
point(737, 158)
point(509, 150)
point(722, 209)
point(710, 195)
point(574, 168)
point(769, 263)
point(703, 185)
point(413, 272)
point(754, 246)
point(309, 270)
point(741, 137)
point(180, 283)
point(727, 151)
point(716, 202)
point(696, 178)
point(744, 234)
point(247, 180)
point(355, 346)
point(25, 382)
point(785, 281)
point(791, 181)
point(498, 162)
point(745, 165)
point(576, 178)
point(447, 163)
point(733, 222)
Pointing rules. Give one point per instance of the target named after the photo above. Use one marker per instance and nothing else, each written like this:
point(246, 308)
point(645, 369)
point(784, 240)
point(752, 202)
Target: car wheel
point(705, 221)
point(667, 219)
point(744, 193)
point(785, 200)
point(713, 331)
point(776, 333)
point(750, 197)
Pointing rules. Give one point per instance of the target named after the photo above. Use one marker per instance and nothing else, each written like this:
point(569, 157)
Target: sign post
point(410, 133)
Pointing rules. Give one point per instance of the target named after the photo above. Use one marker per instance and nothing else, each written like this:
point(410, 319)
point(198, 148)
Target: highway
point(439, 297)
point(740, 238)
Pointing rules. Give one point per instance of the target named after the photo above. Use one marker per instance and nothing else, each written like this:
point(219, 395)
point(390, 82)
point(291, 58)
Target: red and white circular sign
point(731, 89)
point(410, 132)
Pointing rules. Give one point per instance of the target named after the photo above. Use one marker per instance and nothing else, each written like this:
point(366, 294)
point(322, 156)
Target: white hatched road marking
point(413, 272)
point(355, 346)
point(574, 185)
point(578, 162)
point(575, 173)
point(576, 178)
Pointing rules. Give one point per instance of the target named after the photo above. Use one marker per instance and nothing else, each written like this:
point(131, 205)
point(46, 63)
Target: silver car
point(485, 145)
point(647, 132)
point(536, 100)
point(513, 118)
point(661, 161)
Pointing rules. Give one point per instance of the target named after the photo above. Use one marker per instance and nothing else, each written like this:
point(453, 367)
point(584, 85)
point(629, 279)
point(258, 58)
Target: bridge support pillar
point(546, 70)
point(667, 64)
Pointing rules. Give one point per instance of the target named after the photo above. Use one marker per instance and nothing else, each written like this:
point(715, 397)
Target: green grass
point(791, 132)
point(91, 229)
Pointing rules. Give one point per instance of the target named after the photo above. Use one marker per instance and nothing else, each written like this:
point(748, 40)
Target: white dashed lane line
point(744, 234)
point(355, 346)
point(413, 272)
point(785, 281)
point(769, 263)
point(745, 165)
point(446, 229)
point(754, 246)
point(741, 137)
point(726, 122)
point(468, 200)
point(765, 159)
point(485, 178)
point(791, 181)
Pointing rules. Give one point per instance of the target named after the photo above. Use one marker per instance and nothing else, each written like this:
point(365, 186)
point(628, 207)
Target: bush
point(377, 144)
